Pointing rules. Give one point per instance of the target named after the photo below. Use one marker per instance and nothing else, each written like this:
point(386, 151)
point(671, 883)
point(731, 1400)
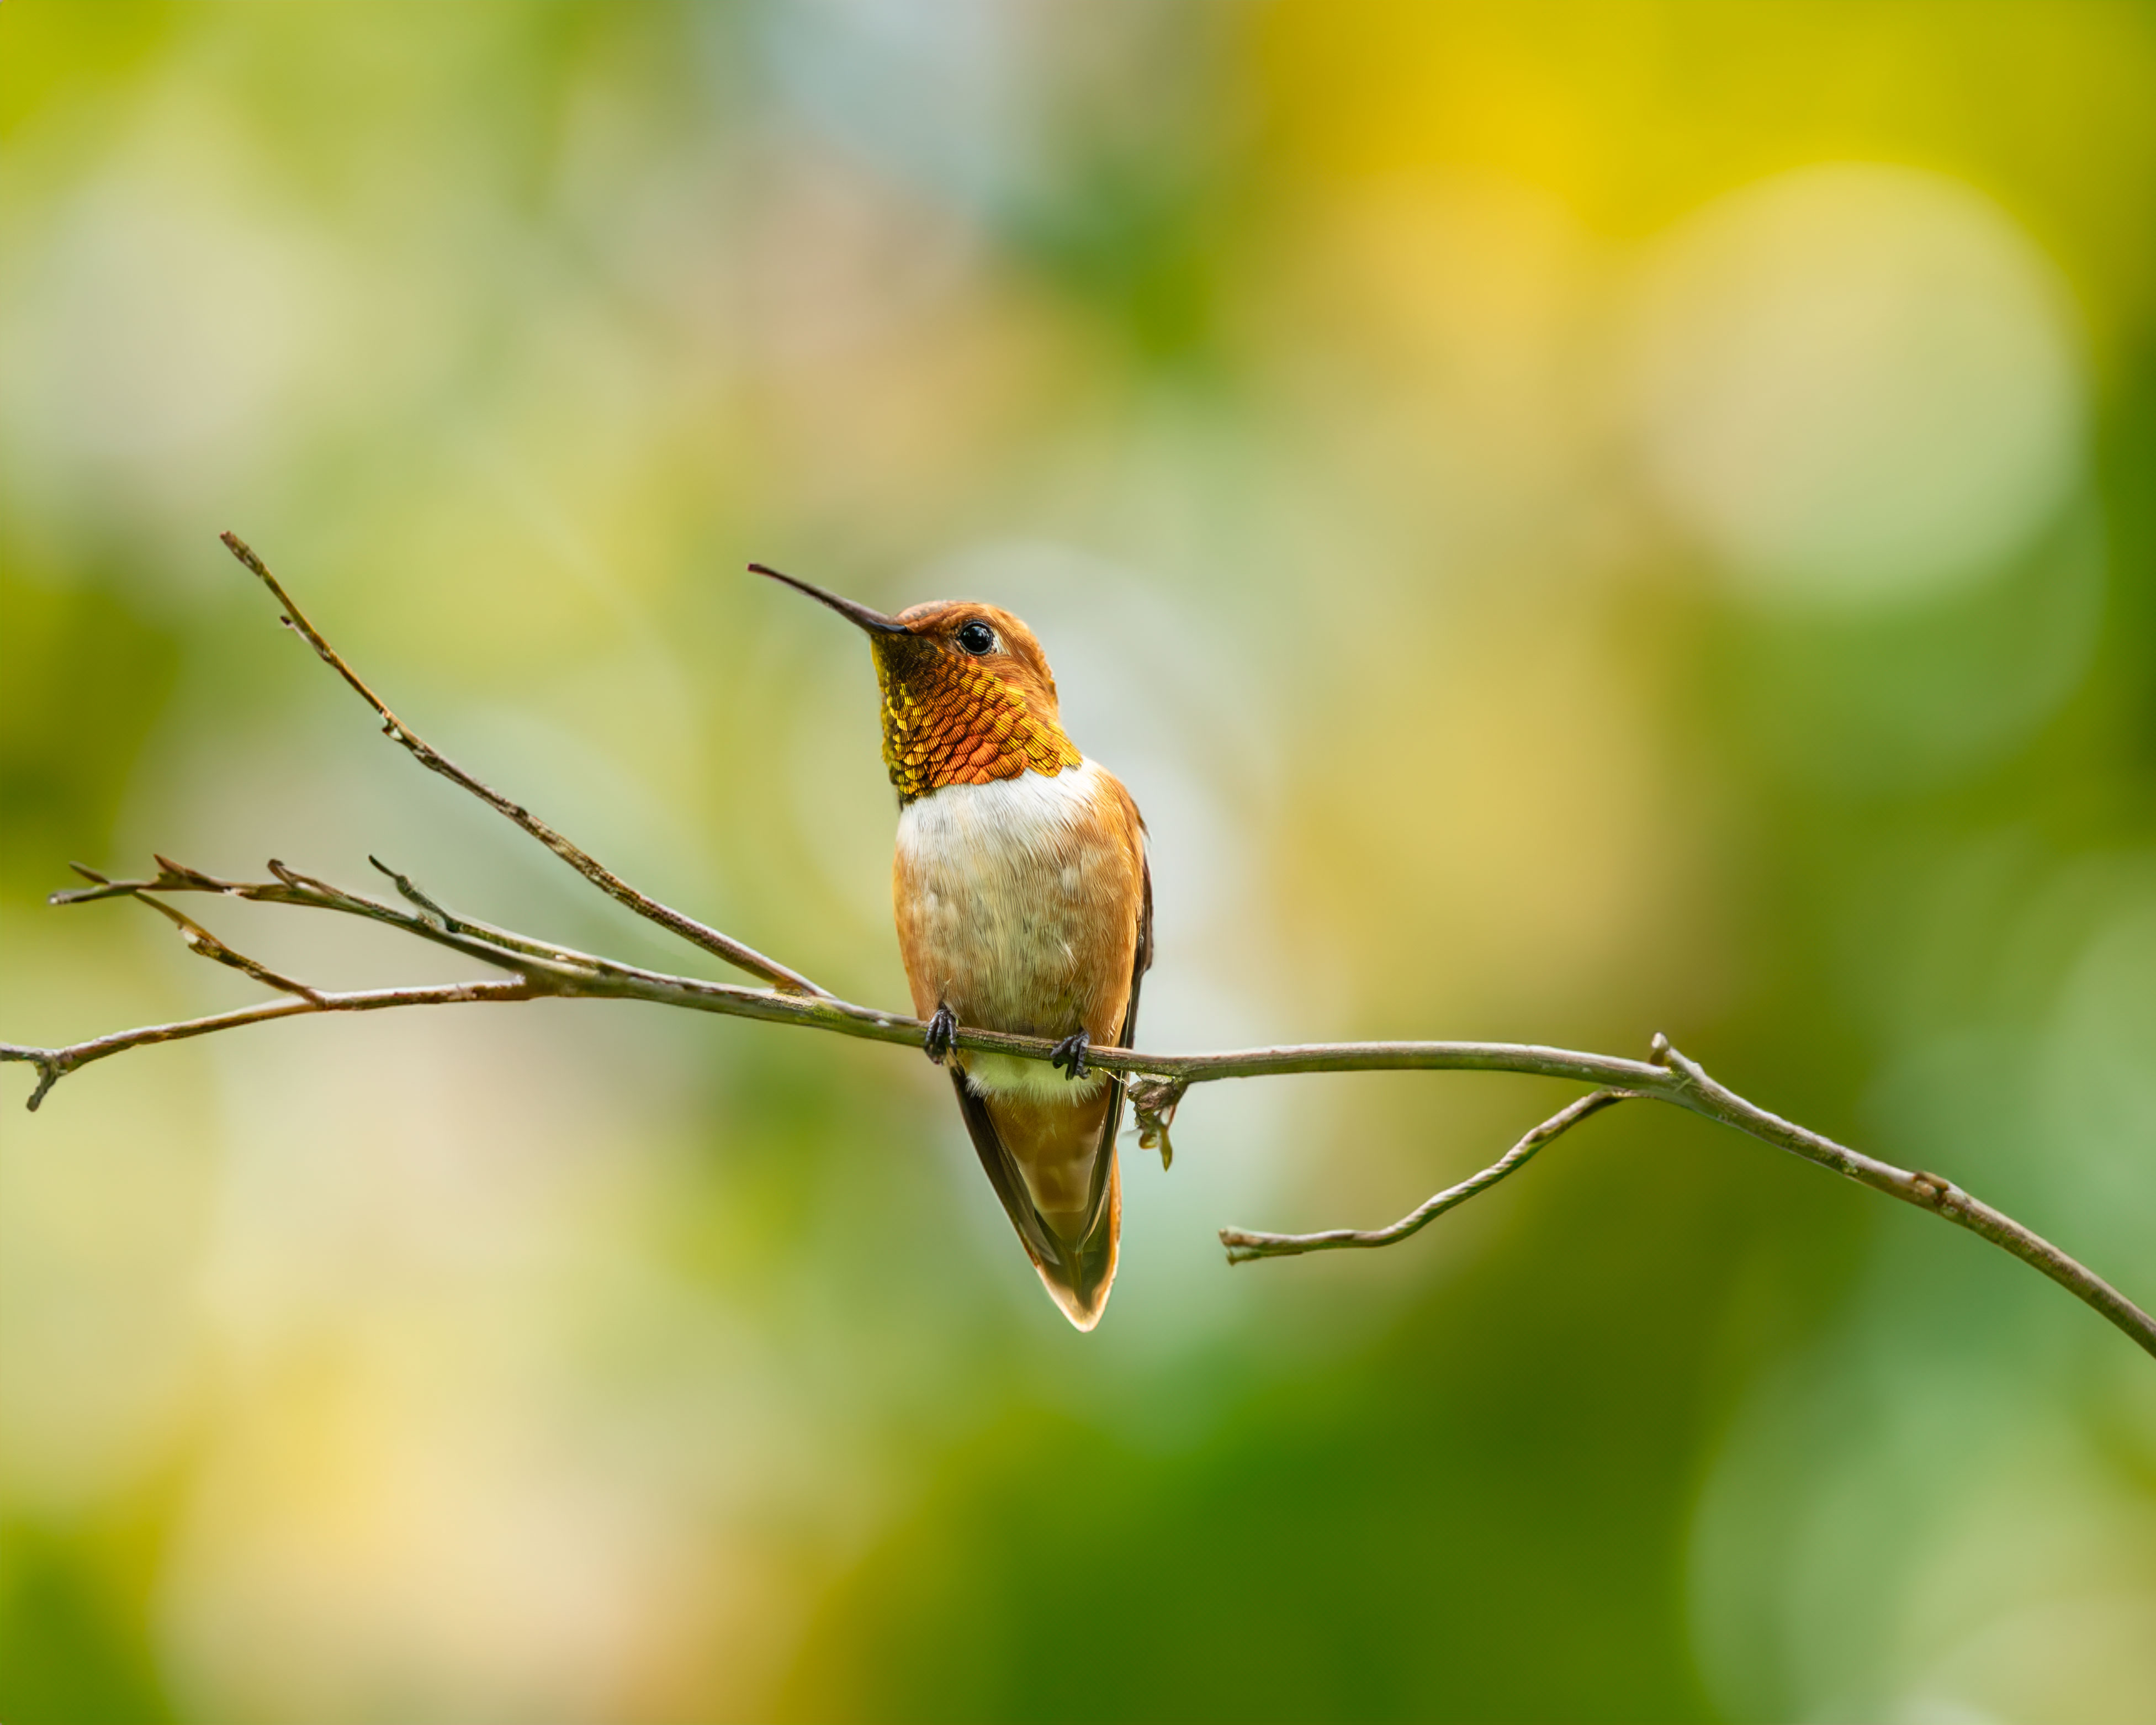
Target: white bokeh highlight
point(1855, 384)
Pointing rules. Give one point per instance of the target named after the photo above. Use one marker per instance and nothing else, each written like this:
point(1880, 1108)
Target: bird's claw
point(1070, 1054)
point(942, 1036)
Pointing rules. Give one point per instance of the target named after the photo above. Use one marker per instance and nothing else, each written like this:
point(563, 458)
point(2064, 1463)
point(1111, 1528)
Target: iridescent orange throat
point(952, 721)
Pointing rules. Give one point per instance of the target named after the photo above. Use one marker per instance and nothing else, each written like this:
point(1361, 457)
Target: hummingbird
point(1024, 902)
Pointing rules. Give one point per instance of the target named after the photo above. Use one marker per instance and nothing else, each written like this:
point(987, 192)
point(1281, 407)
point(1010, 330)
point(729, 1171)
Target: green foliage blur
point(1575, 520)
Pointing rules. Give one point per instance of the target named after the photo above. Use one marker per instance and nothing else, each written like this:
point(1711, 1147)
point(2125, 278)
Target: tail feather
point(1074, 1250)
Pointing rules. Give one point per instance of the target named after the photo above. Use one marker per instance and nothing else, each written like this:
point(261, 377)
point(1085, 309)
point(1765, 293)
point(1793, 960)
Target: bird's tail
point(1053, 1164)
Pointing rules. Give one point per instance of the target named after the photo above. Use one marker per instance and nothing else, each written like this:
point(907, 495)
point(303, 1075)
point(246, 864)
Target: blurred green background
point(1573, 521)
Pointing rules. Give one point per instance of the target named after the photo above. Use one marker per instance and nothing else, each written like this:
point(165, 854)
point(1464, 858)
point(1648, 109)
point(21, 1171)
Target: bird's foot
point(942, 1036)
point(1071, 1053)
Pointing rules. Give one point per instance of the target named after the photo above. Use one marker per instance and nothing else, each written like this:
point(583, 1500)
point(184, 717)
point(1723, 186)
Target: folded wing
point(1074, 1250)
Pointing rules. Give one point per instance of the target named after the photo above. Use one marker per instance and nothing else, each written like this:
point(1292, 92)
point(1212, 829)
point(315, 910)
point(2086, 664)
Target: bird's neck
point(947, 722)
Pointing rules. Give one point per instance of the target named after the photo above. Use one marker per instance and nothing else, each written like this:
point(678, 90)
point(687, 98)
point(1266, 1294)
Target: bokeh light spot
point(1857, 384)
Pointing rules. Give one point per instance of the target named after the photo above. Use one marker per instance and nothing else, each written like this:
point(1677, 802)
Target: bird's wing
point(1003, 1173)
point(1142, 958)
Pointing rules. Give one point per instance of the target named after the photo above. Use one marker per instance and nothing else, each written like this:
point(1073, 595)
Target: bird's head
point(968, 694)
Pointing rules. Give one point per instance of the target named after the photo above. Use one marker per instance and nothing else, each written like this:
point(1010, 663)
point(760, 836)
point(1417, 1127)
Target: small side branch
point(537, 969)
point(544, 970)
point(741, 957)
point(54, 1064)
point(201, 942)
point(1244, 1245)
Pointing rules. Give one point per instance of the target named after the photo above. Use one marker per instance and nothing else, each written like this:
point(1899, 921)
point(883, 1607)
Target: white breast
point(999, 891)
point(1022, 819)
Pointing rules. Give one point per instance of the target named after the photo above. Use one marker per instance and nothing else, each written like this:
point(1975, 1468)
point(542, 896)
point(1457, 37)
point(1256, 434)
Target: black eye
point(977, 638)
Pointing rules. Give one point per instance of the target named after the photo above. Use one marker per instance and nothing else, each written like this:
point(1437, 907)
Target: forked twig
point(537, 969)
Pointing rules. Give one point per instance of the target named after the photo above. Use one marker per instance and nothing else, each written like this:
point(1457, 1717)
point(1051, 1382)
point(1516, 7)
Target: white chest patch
point(1014, 902)
point(1030, 816)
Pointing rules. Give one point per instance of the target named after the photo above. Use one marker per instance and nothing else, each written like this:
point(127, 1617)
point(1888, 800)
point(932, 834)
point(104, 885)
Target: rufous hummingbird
point(1025, 904)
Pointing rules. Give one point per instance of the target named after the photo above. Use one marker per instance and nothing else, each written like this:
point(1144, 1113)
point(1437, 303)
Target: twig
point(1244, 1245)
point(689, 928)
point(544, 970)
point(201, 941)
point(541, 969)
point(54, 1064)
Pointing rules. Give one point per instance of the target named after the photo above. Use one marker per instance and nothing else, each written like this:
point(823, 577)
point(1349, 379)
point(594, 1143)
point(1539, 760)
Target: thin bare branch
point(54, 1064)
point(543, 970)
point(199, 940)
point(1244, 1245)
point(743, 958)
point(1927, 1191)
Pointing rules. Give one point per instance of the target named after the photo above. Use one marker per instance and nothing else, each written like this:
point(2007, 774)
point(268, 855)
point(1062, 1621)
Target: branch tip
point(411, 895)
point(1155, 1083)
point(171, 874)
point(52, 1064)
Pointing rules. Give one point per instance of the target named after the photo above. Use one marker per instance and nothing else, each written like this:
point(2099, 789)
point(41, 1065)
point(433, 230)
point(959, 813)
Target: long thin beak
point(875, 622)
